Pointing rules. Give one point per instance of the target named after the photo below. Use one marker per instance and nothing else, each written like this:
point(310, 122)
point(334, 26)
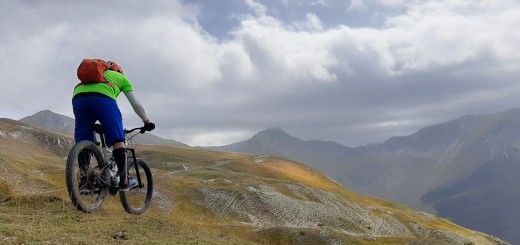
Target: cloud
point(211, 137)
point(440, 34)
point(256, 7)
point(355, 5)
point(422, 62)
point(284, 56)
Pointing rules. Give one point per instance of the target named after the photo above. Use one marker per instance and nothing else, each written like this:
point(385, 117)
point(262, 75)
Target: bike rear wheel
point(85, 177)
point(137, 199)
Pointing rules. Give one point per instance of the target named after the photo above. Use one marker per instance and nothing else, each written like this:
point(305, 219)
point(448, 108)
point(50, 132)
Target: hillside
point(59, 123)
point(472, 161)
point(350, 166)
point(466, 169)
point(223, 198)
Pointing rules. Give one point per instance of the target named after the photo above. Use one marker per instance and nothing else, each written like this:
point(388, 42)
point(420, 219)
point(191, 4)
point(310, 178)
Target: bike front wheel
point(85, 178)
point(137, 199)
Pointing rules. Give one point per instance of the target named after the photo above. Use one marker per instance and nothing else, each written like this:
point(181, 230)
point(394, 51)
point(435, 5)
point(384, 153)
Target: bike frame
point(106, 151)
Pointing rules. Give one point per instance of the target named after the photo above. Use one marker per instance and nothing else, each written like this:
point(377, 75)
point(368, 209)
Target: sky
point(212, 72)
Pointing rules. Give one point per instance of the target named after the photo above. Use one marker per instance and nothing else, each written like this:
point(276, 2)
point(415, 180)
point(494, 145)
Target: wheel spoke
point(85, 190)
point(137, 199)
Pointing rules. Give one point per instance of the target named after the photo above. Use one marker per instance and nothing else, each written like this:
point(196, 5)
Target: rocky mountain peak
point(51, 121)
point(273, 131)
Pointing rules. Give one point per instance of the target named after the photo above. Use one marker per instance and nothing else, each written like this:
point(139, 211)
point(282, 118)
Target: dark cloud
point(354, 73)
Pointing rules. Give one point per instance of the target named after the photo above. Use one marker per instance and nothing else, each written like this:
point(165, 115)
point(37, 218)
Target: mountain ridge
point(247, 199)
point(50, 120)
point(434, 168)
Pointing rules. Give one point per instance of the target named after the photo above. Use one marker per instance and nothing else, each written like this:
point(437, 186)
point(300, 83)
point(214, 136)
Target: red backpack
point(91, 71)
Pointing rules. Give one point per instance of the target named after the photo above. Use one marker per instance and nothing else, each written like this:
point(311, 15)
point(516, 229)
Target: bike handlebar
point(141, 130)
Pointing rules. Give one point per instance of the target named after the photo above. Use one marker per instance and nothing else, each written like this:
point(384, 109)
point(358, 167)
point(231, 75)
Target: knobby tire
point(137, 199)
point(83, 186)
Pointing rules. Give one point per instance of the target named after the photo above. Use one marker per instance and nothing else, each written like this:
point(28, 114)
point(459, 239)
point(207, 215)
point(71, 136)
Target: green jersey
point(120, 83)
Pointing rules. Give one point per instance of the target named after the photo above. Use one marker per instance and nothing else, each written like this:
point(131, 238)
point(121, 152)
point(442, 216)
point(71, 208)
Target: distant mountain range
point(222, 198)
point(59, 123)
point(467, 169)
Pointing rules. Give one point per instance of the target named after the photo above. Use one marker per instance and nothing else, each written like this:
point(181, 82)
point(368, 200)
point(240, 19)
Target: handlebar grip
point(147, 127)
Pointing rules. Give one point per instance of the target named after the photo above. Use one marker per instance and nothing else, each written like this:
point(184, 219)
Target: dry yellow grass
point(35, 208)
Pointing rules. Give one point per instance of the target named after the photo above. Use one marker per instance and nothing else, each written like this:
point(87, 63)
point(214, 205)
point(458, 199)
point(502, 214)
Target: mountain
point(326, 156)
point(52, 121)
point(467, 169)
point(473, 161)
point(275, 141)
point(59, 123)
point(221, 198)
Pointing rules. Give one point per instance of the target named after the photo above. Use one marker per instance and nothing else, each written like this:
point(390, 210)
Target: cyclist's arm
point(137, 106)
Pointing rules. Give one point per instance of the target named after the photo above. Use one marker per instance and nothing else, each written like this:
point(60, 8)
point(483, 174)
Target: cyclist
point(97, 102)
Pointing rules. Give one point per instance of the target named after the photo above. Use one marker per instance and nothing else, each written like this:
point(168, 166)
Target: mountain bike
point(91, 175)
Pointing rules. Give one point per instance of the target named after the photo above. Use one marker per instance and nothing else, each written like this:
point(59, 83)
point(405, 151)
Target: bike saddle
point(97, 127)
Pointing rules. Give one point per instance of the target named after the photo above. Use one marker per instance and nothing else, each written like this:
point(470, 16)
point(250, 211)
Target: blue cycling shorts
point(96, 107)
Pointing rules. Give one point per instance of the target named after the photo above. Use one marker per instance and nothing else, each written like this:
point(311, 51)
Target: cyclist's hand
point(149, 126)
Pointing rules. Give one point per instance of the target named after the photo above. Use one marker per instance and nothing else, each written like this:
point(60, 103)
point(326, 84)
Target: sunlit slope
point(32, 160)
point(202, 197)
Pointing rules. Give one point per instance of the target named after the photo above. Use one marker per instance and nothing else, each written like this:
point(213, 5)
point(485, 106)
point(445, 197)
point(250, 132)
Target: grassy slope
point(35, 208)
point(50, 218)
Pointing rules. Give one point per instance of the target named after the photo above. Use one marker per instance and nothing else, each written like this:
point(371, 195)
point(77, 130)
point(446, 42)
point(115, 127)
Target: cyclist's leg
point(85, 118)
point(121, 161)
point(112, 122)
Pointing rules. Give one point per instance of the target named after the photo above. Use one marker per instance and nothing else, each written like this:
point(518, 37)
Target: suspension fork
point(136, 165)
